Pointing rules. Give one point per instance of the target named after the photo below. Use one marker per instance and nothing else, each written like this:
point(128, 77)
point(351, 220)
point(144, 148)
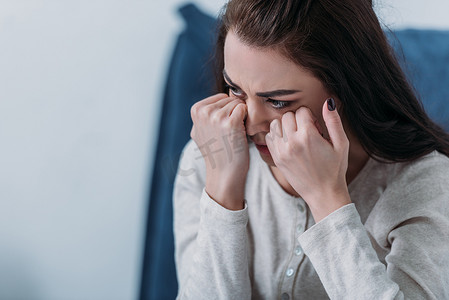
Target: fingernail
point(331, 104)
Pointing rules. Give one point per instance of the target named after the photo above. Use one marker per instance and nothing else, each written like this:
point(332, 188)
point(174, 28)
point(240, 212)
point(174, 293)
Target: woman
point(317, 174)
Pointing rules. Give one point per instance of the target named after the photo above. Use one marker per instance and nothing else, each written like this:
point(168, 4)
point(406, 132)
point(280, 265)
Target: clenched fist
point(219, 132)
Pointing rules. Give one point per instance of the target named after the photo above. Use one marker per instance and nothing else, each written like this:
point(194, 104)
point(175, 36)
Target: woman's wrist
point(328, 204)
point(229, 194)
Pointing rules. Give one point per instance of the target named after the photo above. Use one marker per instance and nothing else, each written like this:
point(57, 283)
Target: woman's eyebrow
point(225, 75)
point(268, 94)
point(277, 93)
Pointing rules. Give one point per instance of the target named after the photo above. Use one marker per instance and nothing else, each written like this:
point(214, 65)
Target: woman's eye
point(279, 104)
point(234, 91)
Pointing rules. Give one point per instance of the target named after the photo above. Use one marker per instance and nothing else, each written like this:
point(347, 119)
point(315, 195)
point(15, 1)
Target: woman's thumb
point(333, 123)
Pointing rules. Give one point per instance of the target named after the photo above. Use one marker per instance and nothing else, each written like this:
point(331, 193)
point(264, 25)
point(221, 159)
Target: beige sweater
point(392, 242)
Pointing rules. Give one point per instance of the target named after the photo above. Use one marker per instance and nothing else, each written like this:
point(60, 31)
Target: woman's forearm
point(218, 267)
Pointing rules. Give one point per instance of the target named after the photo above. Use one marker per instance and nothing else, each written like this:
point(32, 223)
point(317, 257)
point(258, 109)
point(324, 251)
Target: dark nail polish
point(331, 104)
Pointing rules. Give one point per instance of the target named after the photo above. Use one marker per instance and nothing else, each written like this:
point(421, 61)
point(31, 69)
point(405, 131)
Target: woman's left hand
point(314, 166)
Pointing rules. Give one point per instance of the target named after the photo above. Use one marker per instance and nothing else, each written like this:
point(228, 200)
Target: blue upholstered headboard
point(427, 67)
point(190, 79)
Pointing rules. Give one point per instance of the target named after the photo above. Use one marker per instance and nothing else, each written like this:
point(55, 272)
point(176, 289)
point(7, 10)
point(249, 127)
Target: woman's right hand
point(219, 132)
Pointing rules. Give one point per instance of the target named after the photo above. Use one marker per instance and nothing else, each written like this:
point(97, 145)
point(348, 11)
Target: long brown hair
point(343, 45)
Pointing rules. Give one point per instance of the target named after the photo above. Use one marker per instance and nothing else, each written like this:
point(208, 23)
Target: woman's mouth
point(263, 149)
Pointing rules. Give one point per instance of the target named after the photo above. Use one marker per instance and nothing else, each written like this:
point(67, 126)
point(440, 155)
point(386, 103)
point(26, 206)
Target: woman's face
point(271, 85)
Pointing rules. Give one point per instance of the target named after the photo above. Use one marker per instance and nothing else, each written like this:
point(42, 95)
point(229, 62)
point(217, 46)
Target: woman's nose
point(257, 119)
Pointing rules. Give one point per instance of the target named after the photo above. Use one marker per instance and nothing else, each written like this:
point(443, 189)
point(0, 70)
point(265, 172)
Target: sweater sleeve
point(416, 266)
point(210, 241)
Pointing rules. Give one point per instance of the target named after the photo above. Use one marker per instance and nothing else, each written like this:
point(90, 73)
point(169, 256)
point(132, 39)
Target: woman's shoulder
point(428, 170)
point(415, 191)
point(191, 165)
point(416, 188)
point(188, 150)
point(191, 153)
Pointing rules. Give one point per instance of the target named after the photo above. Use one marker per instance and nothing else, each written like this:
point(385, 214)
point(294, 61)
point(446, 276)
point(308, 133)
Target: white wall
point(80, 91)
point(399, 14)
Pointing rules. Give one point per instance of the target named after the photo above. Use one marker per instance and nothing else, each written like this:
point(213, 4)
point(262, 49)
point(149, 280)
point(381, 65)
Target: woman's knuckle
point(228, 125)
point(215, 117)
point(205, 112)
point(194, 110)
point(287, 115)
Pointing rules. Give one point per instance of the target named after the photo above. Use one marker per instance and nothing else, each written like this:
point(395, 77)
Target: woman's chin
point(264, 153)
point(267, 159)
